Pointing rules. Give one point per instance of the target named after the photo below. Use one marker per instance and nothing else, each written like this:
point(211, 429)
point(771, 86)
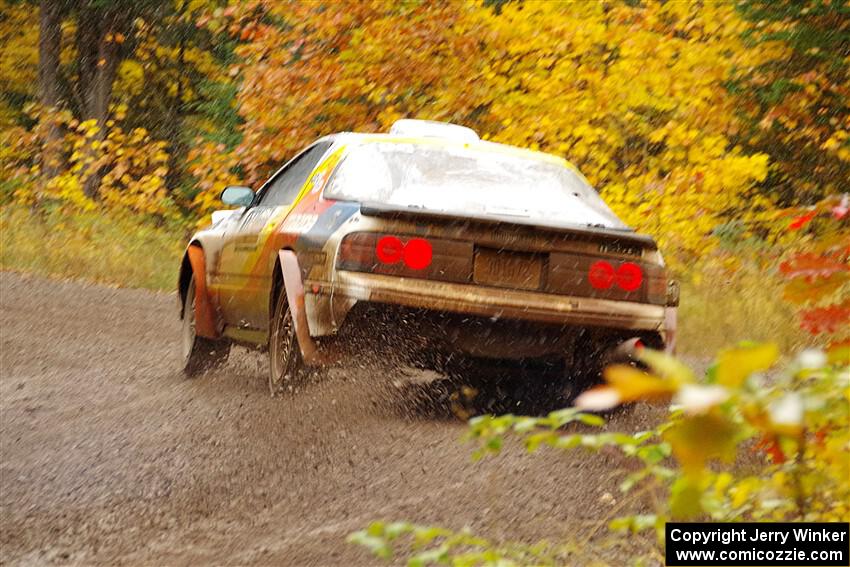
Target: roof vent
point(433, 129)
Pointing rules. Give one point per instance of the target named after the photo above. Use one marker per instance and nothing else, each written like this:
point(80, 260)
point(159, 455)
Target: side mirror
point(237, 196)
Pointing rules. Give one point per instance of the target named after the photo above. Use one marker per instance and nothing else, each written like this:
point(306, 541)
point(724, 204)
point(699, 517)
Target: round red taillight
point(629, 276)
point(418, 254)
point(601, 275)
point(389, 249)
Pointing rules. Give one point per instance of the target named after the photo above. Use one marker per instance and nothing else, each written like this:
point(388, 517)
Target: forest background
point(722, 129)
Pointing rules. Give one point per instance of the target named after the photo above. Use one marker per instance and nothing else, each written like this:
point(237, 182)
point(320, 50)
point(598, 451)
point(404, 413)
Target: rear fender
point(204, 315)
point(294, 289)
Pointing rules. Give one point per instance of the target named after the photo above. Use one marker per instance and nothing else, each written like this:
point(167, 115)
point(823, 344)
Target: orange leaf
point(769, 445)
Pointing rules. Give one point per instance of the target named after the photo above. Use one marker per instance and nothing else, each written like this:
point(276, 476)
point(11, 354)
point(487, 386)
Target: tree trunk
point(98, 56)
point(49, 43)
point(176, 146)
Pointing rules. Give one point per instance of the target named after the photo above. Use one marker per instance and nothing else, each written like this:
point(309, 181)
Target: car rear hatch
point(510, 253)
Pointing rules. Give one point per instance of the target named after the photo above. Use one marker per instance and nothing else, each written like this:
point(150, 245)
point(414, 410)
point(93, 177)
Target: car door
point(246, 261)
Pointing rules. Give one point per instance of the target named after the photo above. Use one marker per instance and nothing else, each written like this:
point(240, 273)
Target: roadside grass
point(93, 246)
point(718, 308)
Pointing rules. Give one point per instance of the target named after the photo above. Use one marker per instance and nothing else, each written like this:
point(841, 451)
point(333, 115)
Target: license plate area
point(507, 268)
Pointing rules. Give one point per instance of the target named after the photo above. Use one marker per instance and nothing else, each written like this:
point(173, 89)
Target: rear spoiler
point(626, 235)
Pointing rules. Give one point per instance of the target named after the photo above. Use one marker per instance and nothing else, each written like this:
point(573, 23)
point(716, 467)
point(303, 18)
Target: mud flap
point(670, 315)
point(204, 317)
point(294, 289)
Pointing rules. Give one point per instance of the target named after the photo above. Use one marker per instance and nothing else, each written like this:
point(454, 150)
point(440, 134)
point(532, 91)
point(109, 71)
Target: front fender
point(204, 314)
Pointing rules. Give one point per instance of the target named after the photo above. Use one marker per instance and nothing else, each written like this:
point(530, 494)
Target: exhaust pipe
point(623, 353)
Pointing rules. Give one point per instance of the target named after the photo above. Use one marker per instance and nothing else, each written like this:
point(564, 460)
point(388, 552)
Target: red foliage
point(812, 266)
point(802, 220)
point(819, 271)
point(770, 446)
point(826, 319)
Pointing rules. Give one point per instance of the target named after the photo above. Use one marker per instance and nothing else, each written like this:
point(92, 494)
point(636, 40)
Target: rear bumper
point(351, 287)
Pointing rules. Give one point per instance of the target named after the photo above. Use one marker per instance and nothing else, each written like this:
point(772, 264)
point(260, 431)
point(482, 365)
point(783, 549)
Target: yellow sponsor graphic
point(255, 262)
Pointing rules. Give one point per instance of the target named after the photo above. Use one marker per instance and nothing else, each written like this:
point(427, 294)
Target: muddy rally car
point(427, 241)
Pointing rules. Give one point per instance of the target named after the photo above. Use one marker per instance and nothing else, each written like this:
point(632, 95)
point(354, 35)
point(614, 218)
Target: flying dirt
point(108, 455)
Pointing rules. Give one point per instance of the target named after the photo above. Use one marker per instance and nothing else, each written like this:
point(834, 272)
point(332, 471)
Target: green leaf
point(568, 441)
point(654, 454)
point(591, 419)
point(633, 479)
point(425, 535)
point(685, 499)
point(525, 424)
point(396, 529)
point(377, 545)
point(533, 442)
point(635, 523)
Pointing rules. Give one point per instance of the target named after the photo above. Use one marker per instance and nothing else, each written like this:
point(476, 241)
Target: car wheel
point(199, 353)
point(286, 365)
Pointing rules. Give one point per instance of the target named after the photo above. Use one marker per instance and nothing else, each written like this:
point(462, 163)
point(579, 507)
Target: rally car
point(479, 249)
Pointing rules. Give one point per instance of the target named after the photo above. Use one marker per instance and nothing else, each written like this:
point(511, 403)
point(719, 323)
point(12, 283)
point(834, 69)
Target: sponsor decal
point(299, 222)
point(617, 247)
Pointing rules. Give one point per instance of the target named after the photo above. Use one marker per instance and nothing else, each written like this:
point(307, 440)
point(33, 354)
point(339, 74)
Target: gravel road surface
point(109, 456)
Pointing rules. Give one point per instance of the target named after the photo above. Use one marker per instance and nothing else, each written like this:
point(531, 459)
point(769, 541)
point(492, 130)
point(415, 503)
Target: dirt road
point(109, 456)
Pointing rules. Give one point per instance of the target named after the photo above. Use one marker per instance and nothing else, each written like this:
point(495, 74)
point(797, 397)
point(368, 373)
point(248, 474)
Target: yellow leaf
point(722, 482)
point(839, 353)
point(741, 492)
point(736, 364)
point(698, 439)
point(666, 366)
point(632, 384)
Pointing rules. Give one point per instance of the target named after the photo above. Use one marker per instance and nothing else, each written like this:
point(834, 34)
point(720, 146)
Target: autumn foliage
point(632, 95)
point(818, 269)
point(696, 121)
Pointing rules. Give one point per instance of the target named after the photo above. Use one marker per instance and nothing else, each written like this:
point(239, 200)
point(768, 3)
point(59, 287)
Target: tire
point(286, 365)
point(199, 354)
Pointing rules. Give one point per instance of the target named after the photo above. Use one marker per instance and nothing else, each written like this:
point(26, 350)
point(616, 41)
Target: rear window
point(468, 180)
